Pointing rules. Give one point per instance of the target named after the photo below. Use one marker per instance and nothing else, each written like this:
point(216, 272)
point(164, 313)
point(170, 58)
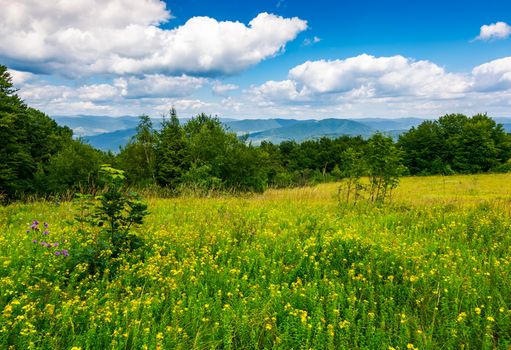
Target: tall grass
point(287, 269)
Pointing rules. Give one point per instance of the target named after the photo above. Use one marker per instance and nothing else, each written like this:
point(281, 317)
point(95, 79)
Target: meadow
point(287, 269)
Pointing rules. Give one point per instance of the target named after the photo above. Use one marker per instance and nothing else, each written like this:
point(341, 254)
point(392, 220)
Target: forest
point(39, 158)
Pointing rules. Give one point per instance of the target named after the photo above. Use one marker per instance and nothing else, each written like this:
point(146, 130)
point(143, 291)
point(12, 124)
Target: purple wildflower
point(34, 241)
point(56, 244)
point(65, 253)
point(48, 245)
point(28, 231)
point(35, 225)
point(45, 225)
point(46, 232)
point(43, 243)
point(57, 253)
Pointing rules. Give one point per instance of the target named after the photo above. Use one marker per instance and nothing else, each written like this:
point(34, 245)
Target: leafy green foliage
point(172, 154)
point(36, 155)
point(74, 168)
point(138, 157)
point(355, 167)
point(456, 144)
point(380, 161)
point(384, 167)
point(117, 211)
point(109, 218)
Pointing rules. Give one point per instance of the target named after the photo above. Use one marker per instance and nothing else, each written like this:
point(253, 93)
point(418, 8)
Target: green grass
point(288, 269)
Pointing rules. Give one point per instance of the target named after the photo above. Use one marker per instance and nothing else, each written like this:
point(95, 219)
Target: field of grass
point(288, 269)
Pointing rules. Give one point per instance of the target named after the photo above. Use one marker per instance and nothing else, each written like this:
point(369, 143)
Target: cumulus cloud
point(158, 85)
point(40, 93)
point(183, 106)
point(279, 91)
point(494, 75)
point(84, 37)
point(97, 92)
point(102, 99)
point(123, 96)
point(231, 105)
point(499, 30)
point(19, 77)
point(395, 75)
point(358, 86)
point(385, 86)
point(222, 89)
point(362, 77)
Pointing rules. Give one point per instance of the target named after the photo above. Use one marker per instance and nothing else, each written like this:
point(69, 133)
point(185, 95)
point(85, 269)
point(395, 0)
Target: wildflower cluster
point(286, 270)
point(42, 237)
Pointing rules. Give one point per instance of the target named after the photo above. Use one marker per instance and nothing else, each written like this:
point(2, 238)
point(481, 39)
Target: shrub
point(106, 222)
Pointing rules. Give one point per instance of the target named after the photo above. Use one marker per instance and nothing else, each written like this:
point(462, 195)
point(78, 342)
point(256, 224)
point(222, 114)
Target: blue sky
point(260, 59)
point(436, 30)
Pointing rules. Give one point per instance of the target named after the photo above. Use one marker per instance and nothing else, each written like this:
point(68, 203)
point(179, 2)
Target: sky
point(261, 58)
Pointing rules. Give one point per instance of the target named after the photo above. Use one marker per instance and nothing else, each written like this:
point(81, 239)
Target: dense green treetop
point(455, 143)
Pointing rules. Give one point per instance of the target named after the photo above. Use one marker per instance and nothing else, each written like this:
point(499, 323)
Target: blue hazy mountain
point(86, 125)
point(388, 125)
point(506, 123)
point(249, 126)
point(110, 141)
point(258, 130)
point(311, 129)
point(109, 133)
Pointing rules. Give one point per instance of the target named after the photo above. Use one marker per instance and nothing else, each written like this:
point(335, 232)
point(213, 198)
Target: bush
point(106, 222)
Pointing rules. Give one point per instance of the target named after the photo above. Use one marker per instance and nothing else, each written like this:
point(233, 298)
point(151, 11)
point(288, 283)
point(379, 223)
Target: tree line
point(40, 158)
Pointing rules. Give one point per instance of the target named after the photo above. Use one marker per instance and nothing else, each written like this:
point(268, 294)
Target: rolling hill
point(273, 130)
point(311, 129)
point(110, 141)
point(87, 125)
point(108, 134)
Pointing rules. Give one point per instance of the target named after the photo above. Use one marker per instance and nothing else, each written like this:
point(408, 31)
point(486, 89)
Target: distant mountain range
point(108, 133)
point(87, 125)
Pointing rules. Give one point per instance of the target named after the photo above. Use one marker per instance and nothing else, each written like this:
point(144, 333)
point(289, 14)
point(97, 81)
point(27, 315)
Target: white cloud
point(359, 86)
point(384, 86)
point(279, 91)
point(157, 85)
point(499, 30)
point(231, 105)
point(183, 106)
point(97, 92)
point(395, 75)
point(151, 94)
point(311, 41)
point(222, 89)
point(19, 77)
point(493, 75)
point(362, 77)
point(40, 93)
point(64, 100)
point(84, 37)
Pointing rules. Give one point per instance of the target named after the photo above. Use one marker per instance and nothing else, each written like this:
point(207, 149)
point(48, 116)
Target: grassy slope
point(286, 269)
